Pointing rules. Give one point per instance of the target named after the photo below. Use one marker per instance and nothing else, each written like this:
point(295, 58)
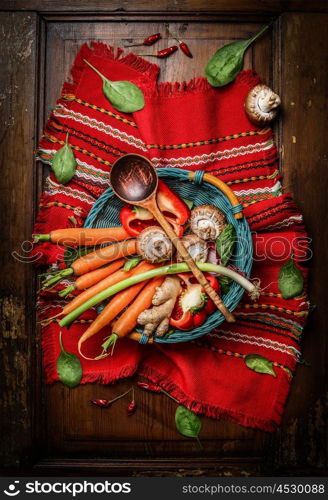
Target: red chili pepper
point(183, 46)
point(161, 54)
point(193, 318)
point(150, 40)
point(135, 219)
point(132, 408)
point(103, 403)
point(149, 387)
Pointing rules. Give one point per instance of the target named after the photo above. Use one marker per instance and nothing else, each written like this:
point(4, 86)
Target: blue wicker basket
point(192, 186)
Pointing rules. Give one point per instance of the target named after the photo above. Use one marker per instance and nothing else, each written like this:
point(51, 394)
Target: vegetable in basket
point(94, 260)
point(134, 219)
point(193, 306)
point(252, 288)
point(83, 237)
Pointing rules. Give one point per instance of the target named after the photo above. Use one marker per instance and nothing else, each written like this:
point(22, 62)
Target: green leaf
point(71, 254)
point(228, 61)
point(68, 367)
point(260, 364)
point(131, 263)
point(225, 243)
point(290, 280)
point(189, 203)
point(124, 96)
point(187, 422)
point(225, 283)
point(63, 163)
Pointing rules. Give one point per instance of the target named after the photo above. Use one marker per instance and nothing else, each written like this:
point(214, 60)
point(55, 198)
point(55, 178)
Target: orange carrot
point(104, 255)
point(99, 287)
point(89, 279)
point(93, 260)
point(83, 236)
point(115, 306)
point(128, 320)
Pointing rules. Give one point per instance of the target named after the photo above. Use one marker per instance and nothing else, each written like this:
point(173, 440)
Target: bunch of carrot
point(93, 276)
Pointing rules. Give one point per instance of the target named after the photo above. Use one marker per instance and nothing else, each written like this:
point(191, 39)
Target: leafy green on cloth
point(290, 281)
point(260, 364)
point(123, 95)
point(63, 163)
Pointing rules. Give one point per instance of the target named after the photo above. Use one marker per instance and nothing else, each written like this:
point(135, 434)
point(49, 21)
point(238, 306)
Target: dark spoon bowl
point(133, 178)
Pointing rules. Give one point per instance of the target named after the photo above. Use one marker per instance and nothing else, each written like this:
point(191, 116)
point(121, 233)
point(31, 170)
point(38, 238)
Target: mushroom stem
point(268, 102)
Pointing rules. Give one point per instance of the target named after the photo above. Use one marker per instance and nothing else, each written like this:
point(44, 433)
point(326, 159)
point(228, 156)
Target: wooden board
point(62, 423)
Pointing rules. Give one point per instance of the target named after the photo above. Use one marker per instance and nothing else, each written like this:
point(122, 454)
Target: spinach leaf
point(290, 280)
point(187, 422)
point(123, 95)
point(63, 163)
point(225, 243)
point(228, 61)
point(260, 364)
point(68, 367)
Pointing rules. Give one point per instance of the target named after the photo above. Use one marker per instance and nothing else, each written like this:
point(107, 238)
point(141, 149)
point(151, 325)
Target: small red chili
point(162, 53)
point(149, 387)
point(183, 46)
point(150, 40)
point(103, 403)
point(132, 408)
point(107, 403)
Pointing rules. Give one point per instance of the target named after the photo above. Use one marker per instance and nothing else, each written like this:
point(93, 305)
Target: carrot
point(89, 279)
point(83, 236)
point(128, 320)
point(114, 278)
point(104, 255)
point(94, 260)
point(115, 306)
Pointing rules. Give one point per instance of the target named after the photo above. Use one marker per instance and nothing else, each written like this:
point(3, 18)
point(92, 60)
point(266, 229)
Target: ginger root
point(156, 319)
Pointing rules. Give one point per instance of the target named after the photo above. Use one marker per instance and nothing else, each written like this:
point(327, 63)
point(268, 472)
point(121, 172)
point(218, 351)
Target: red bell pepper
point(135, 219)
point(193, 306)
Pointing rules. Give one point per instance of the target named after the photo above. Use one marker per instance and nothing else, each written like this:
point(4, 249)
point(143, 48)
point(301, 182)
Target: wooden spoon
point(134, 180)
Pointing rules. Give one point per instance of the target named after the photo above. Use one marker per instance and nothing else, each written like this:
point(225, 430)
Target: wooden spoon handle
point(151, 205)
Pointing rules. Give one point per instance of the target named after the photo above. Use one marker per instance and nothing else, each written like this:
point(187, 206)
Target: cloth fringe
point(197, 84)
point(207, 409)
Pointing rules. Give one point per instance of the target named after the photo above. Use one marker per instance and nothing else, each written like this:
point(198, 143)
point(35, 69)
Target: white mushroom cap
point(207, 222)
point(196, 247)
point(153, 244)
point(261, 104)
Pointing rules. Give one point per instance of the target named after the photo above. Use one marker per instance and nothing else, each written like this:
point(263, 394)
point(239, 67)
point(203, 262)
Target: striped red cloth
point(195, 127)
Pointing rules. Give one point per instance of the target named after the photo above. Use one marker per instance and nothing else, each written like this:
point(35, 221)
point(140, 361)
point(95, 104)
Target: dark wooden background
point(52, 429)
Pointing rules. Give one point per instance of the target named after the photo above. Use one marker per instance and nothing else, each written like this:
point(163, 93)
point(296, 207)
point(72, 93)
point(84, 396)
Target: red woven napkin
point(196, 127)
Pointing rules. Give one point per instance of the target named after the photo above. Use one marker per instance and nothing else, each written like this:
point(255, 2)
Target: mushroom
point(196, 247)
point(153, 245)
point(207, 222)
point(261, 105)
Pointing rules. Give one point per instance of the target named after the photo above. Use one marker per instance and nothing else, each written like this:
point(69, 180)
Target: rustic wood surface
point(240, 6)
point(291, 59)
point(18, 343)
